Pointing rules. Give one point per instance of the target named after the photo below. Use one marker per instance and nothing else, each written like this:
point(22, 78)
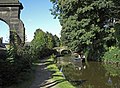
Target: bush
point(15, 66)
point(113, 55)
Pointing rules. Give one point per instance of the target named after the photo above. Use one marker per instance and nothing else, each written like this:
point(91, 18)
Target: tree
point(87, 25)
point(117, 34)
point(56, 41)
point(50, 40)
point(42, 44)
point(40, 38)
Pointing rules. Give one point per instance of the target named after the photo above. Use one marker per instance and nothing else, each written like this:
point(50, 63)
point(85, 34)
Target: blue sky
point(35, 15)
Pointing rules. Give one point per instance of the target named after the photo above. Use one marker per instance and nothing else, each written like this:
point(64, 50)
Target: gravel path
point(42, 77)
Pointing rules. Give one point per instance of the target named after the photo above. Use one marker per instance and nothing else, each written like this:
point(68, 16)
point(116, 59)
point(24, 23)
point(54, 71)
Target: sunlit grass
point(57, 76)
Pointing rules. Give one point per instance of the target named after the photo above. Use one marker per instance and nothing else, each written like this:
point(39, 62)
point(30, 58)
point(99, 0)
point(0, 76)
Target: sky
point(34, 15)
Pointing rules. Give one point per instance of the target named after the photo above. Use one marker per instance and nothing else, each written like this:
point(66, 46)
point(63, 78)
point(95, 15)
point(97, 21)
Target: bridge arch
point(63, 50)
point(10, 14)
point(66, 52)
point(4, 35)
point(4, 20)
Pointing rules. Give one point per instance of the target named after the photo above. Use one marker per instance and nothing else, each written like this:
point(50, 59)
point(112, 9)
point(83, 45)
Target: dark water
point(90, 75)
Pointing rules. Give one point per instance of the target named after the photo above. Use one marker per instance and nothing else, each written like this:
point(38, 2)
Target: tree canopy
point(43, 43)
point(87, 24)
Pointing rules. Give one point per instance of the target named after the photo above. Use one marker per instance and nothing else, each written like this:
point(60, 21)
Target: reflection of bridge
point(63, 49)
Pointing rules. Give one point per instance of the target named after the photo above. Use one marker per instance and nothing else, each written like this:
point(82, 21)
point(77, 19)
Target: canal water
point(91, 74)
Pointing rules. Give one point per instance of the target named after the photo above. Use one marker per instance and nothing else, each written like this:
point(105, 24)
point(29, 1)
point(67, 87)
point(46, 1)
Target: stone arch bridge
point(10, 14)
point(63, 50)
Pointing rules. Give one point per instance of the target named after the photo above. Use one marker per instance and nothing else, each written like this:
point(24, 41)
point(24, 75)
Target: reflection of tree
point(113, 74)
point(113, 82)
point(96, 75)
point(112, 70)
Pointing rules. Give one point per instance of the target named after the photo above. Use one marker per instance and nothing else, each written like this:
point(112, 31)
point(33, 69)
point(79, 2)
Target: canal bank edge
point(57, 76)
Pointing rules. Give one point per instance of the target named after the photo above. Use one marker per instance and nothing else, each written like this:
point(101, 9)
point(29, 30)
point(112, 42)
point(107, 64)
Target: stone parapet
point(9, 1)
point(11, 5)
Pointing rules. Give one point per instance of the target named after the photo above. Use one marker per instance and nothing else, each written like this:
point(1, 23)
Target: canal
point(90, 74)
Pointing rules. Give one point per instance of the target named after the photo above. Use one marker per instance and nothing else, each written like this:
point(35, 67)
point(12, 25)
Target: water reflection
point(95, 74)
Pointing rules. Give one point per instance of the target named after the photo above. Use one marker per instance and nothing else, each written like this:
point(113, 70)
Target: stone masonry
point(10, 14)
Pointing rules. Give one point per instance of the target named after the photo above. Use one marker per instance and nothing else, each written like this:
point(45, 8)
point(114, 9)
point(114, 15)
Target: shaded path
point(42, 77)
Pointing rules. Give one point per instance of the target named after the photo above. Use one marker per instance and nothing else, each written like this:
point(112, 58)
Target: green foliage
point(50, 40)
point(113, 55)
point(15, 64)
point(117, 34)
point(87, 25)
point(40, 39)
point(42, 44)
point(14, 38)
point(56, 41)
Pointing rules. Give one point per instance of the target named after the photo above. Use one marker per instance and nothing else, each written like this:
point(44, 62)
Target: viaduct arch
point(10, 14)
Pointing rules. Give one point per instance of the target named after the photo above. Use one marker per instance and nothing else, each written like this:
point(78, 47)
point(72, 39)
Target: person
point(81, 56)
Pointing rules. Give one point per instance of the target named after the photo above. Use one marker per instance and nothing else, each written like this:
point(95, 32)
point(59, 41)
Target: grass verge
point(57, 76)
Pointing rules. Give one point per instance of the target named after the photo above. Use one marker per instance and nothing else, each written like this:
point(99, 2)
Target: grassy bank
point(57, 76)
